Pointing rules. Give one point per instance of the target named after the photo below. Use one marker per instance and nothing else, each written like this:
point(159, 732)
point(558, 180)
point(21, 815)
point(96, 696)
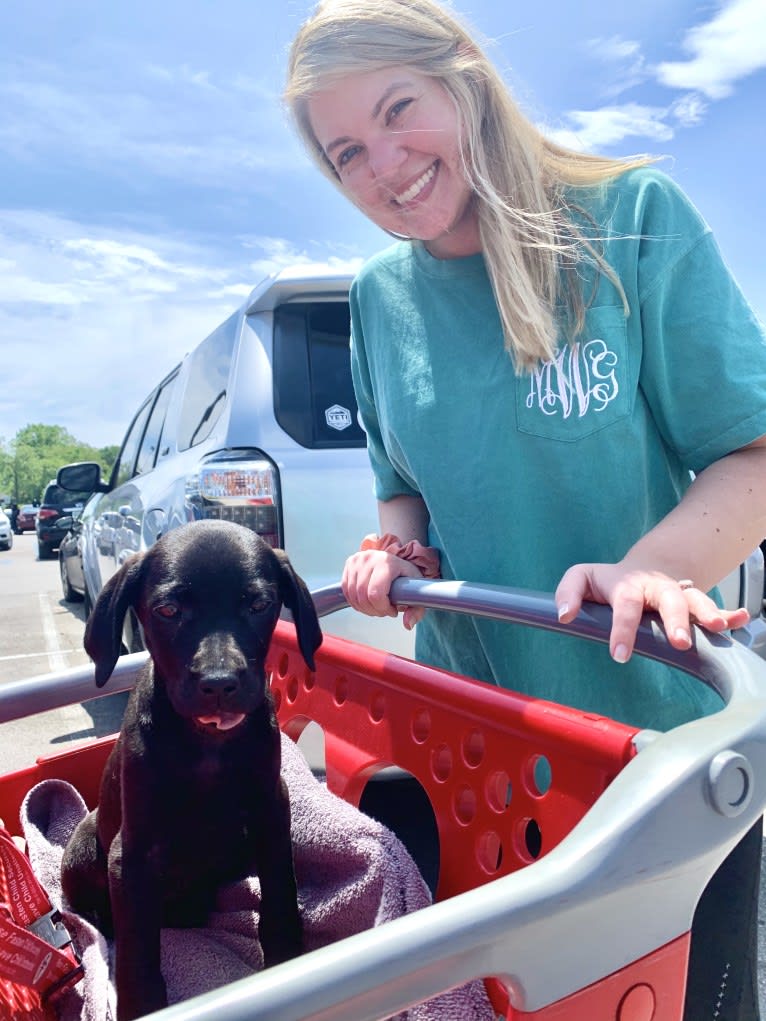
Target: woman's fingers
point(367, 579)
point(631, 592)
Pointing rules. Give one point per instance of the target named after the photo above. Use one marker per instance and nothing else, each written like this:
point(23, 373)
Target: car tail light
point(45, 513)
point(240, 486)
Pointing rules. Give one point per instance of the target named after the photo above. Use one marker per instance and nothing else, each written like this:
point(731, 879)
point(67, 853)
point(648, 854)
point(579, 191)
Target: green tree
point(106, 458)
point(35, 454)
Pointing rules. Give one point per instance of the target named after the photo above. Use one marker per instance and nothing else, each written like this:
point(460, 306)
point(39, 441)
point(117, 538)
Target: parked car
point(6, 532)
point(258, 424)
point(26, 518)
point(107, 528)
point(70, 562)
point(56, 504)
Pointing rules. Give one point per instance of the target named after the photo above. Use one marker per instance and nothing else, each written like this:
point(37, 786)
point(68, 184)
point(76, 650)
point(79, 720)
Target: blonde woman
point(562, 386)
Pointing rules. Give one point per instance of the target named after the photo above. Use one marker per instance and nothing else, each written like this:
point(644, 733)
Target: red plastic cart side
point(507, 776)
point(470, 744)
point(650, 989)
point(81, 765)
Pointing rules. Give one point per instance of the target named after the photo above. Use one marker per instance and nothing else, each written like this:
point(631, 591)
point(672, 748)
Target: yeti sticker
point(338, 417)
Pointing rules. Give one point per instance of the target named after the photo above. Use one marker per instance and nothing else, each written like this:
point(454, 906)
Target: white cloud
point(177, 123)
point(689, 110)
point(56, 261)
point(730, 46)
point(722, 50)
point(627, 65)
point(183, 75)
point(615, 48)
point(591, 130)
point(91, 318)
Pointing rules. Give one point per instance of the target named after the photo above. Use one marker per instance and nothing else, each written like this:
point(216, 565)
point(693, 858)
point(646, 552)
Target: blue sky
point(149, 178)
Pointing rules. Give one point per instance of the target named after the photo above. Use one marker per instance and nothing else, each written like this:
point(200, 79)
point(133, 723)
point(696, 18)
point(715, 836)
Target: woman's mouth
point(411, 193)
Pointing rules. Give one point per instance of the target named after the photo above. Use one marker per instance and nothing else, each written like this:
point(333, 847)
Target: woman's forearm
point(405, 517)
point(719, 522)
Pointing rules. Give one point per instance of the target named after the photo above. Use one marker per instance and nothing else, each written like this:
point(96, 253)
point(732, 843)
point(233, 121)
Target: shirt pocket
point(585, 388)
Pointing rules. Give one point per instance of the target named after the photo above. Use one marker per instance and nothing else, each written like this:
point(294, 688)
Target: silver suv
point(258, 424)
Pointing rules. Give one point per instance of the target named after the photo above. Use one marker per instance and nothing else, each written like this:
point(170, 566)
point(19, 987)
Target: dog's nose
point(218, 684)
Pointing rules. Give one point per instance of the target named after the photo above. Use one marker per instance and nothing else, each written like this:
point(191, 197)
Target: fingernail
point(563, 610)
point(682, 635)
point(621, 654)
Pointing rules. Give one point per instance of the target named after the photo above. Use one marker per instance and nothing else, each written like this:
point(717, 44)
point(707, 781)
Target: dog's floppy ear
point(297, 598)
point(103, 632)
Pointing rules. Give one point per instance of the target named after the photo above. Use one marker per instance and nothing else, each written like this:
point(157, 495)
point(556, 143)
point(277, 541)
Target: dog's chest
point(207, 837)
point(205, 794)
point(208, 774)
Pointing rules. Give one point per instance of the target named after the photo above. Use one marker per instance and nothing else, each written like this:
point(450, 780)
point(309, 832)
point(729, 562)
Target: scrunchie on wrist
point(425, 558)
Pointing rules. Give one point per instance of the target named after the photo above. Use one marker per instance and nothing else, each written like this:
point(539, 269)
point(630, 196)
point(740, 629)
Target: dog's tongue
point(222, 721)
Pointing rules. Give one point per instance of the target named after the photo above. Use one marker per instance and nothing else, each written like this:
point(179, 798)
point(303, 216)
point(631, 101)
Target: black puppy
point(191, 797)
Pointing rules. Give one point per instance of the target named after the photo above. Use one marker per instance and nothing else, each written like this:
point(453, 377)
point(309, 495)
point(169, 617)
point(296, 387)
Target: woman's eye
point(347, 155)
point(396, 109)
point(166, 610)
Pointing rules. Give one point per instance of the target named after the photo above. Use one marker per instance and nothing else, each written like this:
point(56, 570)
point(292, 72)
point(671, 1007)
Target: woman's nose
point(385, 156)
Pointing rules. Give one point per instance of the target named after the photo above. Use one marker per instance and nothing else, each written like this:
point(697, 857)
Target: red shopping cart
point(572, 850)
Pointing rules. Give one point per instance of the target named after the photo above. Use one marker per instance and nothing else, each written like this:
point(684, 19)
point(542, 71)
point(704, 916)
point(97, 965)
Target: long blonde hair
point(531, 245)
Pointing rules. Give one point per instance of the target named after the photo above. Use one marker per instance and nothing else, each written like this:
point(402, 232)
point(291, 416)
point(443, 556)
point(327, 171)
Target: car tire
point(70, 595)
point(7, 545)
point(44, 552)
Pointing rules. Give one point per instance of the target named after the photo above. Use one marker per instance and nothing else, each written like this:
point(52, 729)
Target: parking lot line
point(56, 657)
point(33, 655)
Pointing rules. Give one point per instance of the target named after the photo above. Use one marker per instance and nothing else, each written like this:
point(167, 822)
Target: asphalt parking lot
point(40, 633)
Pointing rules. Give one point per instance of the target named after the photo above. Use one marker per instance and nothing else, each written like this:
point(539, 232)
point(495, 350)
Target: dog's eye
point(166, 610)
point(259, 604)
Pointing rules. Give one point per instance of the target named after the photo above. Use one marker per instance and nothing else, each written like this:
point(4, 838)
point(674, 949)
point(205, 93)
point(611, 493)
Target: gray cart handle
point(622, 883)
point(724, 673)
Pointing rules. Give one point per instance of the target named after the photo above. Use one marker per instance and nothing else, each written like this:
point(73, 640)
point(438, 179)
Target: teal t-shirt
point(524, 476)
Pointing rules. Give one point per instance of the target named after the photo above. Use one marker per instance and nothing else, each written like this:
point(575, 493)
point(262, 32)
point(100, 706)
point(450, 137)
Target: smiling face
point(393, 137)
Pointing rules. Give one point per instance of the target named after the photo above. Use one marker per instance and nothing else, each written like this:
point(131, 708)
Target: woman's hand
point(631, 591)
point(720, 517)
point(367, 579)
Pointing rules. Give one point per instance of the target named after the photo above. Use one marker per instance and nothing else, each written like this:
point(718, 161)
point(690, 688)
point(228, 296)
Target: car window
point(55, 496)
point(313, 393)
point(150, 444)
point(206, 385)
point(124, 468)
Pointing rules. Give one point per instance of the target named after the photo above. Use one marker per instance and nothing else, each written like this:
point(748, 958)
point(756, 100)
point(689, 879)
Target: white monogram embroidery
point(582, 377)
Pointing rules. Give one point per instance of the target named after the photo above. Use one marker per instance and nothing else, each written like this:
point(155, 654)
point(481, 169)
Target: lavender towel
point(352, 874)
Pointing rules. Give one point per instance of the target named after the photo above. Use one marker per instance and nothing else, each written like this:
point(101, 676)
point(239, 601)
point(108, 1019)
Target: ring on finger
point(685, 583)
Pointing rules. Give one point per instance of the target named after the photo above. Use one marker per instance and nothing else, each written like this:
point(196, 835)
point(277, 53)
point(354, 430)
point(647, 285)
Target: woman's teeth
point(415, 189)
